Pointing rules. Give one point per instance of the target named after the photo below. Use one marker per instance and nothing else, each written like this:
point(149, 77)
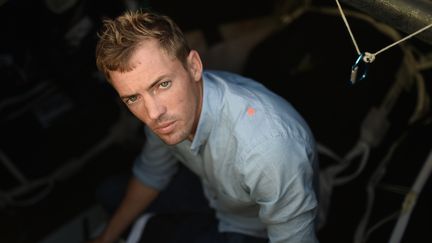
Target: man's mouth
point(165, 128)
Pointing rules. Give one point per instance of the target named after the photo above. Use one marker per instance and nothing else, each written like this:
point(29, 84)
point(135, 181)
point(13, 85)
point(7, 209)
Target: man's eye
point(165, 84)
point(132, 99)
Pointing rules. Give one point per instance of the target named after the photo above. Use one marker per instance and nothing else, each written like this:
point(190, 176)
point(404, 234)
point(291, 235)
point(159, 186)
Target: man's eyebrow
point(154, 83)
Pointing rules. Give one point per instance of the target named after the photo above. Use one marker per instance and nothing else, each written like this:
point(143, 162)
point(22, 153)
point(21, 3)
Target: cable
point(47, 91)
point(407, 73)
point(376, 177)
point(118, 132)
point(423, 100)
point(361, 233)
point(12, 168)
point(381, 223)
point(411, 200)
point(22, 97)
point(345, 179)
point(322, 149)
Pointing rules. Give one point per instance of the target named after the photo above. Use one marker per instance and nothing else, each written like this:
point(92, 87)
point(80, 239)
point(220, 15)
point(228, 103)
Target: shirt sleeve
point(155, 165)
point(280, 179)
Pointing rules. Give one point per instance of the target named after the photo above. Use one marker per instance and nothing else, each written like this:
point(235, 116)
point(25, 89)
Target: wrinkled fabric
point(255, 156)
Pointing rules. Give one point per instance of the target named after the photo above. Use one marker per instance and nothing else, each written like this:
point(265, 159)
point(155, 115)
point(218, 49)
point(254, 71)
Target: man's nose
point(154, 109)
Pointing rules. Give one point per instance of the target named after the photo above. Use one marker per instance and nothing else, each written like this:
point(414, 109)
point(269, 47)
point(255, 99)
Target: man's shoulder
point(253, 114)
point(212, 73)
point(231, 79)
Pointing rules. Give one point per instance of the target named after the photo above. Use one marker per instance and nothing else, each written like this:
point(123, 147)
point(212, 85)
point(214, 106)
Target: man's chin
point(171, 139)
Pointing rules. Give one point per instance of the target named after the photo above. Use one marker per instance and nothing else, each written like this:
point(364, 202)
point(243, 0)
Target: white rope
point(404, 39)
point(348, 27)
point(370, 57)
point(411, 200)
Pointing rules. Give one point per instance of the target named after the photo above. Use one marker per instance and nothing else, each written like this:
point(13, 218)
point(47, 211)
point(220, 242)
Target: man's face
point(161, 92)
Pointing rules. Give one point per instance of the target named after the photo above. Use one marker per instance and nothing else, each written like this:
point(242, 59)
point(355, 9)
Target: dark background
point(55, 107)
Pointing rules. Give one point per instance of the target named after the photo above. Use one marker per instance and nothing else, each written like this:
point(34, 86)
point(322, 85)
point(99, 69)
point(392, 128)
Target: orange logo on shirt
point(251, 111)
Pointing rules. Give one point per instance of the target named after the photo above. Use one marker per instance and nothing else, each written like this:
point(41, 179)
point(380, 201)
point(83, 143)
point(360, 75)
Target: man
point(254, 154)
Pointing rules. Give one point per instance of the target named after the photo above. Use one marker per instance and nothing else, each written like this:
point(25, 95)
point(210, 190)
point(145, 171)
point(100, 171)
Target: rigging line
point(370, 57)
point(348, 27)
point(403, 39)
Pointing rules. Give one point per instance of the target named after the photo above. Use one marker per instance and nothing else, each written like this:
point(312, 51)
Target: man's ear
point(195, 65)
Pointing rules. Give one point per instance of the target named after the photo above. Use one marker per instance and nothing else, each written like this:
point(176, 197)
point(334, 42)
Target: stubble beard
point(176, 137)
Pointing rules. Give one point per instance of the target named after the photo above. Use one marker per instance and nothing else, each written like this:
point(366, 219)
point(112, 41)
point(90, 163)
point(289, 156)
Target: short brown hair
point(119, 38)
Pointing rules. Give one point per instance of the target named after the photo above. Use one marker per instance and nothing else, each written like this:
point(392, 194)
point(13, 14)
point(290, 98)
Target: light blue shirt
point(255, 156)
